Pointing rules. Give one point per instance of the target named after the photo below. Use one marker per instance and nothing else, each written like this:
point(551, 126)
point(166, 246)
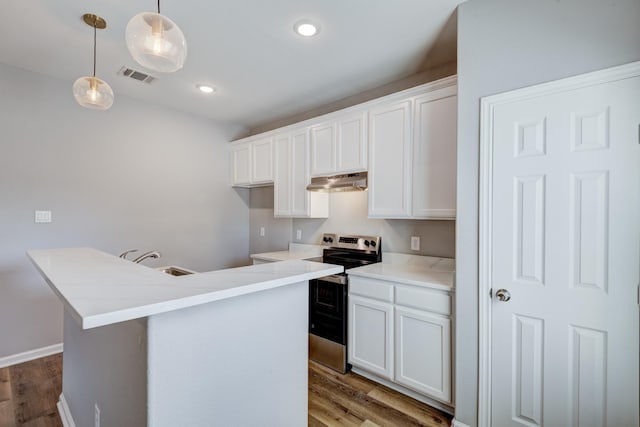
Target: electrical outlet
point(96, 416)
point(415, 243)
point(42, 216)
point(298, 234)
point(262, 231)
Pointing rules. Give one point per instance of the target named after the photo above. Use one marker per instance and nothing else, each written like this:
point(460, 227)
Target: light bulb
point(93, 95)
point(156, 42)
point(92, 92)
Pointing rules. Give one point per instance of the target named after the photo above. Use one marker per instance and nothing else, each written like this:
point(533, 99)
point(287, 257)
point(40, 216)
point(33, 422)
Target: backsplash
point(347, 214)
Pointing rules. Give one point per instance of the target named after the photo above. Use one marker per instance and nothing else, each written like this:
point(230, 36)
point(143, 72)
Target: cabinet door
point(351, 143)
point(300, 174)
point(241, 164)
point(262, 161)
point(434, 158)
point(323, 150)
point(423, 352)
point(390, 161)
point(371, 335)
point(282, 179)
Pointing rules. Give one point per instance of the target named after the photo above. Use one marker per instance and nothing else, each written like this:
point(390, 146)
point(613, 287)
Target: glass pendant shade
point(155, 42)
point(92, 92)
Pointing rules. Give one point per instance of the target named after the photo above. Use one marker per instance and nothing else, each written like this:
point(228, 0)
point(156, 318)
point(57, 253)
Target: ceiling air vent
point(136, 75)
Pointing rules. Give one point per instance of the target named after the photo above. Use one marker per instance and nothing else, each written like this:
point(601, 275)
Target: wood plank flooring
point(29, 393)
point(352, 400)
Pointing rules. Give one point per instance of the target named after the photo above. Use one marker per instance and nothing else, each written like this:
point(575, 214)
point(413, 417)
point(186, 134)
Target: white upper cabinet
point(412, 155)
point(252, 163)
point(323, 149)
point(406, 141)
point(262, 161)
point(339, 146)
point(434, 155)
point(390, 161)
point(241, 164)
point(292, 159)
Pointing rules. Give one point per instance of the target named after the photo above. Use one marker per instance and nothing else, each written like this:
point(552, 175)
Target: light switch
point(415, 243)
point(42, 216)
point(262, 231)
point(298, 234)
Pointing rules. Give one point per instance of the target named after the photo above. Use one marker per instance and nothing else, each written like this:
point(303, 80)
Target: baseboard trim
point(30, 355)
point(397, 387)
point(456, 423)
point(65, 413)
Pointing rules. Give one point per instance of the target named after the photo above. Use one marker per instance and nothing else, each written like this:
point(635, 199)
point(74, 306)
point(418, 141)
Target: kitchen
point(103, 176)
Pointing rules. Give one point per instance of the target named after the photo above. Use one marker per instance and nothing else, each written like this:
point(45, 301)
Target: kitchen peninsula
point(141, 347)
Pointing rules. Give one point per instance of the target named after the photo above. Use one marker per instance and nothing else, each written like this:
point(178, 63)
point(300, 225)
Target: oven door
point(328, 308)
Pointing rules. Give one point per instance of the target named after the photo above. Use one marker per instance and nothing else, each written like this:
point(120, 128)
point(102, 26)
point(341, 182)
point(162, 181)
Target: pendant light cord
point(94, 49)
point(158, 7)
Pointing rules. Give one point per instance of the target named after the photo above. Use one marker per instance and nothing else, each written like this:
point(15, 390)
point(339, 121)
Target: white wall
point(136, 176)
point(348, 214)
point(277, 230)
point(106, 366)
point(504, 45)
point(235, 362)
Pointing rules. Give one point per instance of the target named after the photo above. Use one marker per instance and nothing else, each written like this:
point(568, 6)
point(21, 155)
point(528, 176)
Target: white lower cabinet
point(401, 333)
point(371, 335)
point(423, 352)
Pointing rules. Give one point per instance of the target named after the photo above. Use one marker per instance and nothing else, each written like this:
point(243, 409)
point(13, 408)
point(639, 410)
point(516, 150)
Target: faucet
point(150, 254)
point(124, 254)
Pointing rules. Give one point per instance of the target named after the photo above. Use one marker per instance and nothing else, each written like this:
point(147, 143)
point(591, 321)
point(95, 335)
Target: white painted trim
point(487, 108)
point(65, 413)
point(397, 387)
point(456, 423)
point(30, 355)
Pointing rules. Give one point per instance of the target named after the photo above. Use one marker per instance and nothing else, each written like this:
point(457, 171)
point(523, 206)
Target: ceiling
point(246, 49)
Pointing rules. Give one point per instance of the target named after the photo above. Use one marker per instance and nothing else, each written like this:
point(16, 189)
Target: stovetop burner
point(354, 242)
point(351, 250)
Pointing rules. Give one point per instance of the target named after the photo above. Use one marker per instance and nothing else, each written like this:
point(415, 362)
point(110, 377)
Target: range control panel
point(348, 241)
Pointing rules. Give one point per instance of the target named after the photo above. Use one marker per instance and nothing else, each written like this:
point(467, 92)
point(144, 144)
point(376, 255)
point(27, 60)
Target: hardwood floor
point(29, 393)
point(352, 400)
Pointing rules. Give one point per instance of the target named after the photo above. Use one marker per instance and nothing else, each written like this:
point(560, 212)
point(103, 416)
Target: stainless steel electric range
point(328, 304)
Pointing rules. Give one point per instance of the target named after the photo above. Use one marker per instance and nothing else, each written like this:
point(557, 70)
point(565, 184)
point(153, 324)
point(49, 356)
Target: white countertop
point(296, 251)
point(431, 272)
point(100, 289)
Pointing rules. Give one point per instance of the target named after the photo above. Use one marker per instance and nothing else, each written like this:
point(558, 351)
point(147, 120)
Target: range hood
point(347, 182)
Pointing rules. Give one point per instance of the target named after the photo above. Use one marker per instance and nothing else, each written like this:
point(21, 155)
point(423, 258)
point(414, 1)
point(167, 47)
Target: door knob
point(503, 295)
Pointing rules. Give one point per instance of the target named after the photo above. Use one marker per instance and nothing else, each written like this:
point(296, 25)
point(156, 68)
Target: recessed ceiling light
point(306, 28)
point(205, 88)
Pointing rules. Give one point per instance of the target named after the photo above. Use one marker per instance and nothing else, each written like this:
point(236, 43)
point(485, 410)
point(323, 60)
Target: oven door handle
point(334, 278)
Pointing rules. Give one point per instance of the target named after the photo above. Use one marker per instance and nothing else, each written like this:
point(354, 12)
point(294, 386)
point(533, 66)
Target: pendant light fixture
point(93, 92)
point(156, 42)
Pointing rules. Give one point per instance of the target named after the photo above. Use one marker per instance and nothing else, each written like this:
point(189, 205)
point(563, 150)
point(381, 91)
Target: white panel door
point(282, 202)
point(423, 352)
point(371, 335)
point(241, 163)
point(323, 150)
point(390, 161)
point(351, 143)
point(434, 155)
point(565, 245)
point(262, 160)
point(300, 197)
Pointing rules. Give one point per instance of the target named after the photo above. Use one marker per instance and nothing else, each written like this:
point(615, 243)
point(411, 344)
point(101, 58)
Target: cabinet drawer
point(371, 288)
point(423, 299)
